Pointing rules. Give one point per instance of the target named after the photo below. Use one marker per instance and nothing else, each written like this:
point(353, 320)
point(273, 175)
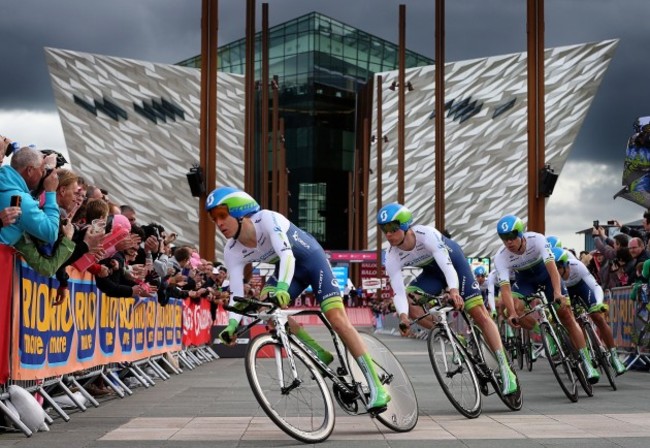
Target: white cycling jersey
point(272, 245)
point(429, 248)
point(538, 250)
point(578, 272)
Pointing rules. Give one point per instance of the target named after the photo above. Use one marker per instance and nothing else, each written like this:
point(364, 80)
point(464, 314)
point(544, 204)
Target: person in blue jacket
point(28, 168)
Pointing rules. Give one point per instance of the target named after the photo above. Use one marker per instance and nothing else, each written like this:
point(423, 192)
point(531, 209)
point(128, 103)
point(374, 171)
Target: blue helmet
point(239, 203)
point(480, 270)
point(510, 227)
point(561, 256)
point(554, 241)
point(395, 212)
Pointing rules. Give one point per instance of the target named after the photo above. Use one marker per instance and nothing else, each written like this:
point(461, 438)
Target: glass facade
point(321, 65)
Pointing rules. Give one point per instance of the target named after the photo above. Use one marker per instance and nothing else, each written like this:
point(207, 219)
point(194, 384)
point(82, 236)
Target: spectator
point(129, 212)
point(595, 264)
point(643, 234)
point(25, 173)
point(613, 275)
point(6, 148)
point(608, 246)
point(637, 250)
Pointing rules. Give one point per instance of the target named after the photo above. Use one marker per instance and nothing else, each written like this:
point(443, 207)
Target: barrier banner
point(7, 281)
point(87, 330)
point(622, 316)
point(197, 322)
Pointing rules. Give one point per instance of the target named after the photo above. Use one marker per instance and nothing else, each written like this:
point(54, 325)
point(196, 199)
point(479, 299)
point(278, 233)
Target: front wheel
point(455, 372)
point(528, 349)
point(515, 400)
point(559, 364)
point(599, 354)
point(575, 360)
point(401, 414)
point(300, 405)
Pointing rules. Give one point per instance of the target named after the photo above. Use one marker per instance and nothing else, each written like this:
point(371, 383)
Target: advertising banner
point(197, 322)
point(622, 316)
point(86, 330)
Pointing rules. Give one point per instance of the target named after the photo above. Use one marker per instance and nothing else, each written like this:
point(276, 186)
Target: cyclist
point(581, 284)
point(487, 290)
point(443, 266)
point(528, 255)
point(256, 235)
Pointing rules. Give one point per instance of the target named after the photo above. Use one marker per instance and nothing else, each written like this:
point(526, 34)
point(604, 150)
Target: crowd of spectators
point(54, 218)
point(622, 259)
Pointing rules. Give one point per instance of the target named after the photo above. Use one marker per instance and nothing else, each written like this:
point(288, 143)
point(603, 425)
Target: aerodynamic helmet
point(480, 270)
point(395, 212)
point(239, 203)
point(510, 227)
point(554, 241)
point(561, 256)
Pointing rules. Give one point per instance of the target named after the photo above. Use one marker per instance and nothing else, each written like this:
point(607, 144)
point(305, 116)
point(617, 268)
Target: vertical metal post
point(274, 145)
point(283, 174)
point(440, 116)
point(208, 125)
point(380, 147)
point(264, 141)
point(401, 93)
point(249, 137)
point(536, 129)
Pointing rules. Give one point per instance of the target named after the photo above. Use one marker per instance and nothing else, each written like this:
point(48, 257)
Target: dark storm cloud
point(169, 31)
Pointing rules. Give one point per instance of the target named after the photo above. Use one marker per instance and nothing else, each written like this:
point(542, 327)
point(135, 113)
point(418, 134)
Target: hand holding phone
point(16, 201)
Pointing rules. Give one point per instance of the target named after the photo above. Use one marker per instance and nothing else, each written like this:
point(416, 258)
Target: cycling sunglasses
point(512, 235)
point(219, 212)
point(392, 226)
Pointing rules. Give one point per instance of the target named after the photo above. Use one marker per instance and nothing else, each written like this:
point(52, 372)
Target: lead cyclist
point(258, 235)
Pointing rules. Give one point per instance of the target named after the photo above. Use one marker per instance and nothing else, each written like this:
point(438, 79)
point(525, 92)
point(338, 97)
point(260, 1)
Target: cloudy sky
point(168, 31)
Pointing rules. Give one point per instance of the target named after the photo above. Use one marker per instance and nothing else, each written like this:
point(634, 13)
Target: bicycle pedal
point(375, 411)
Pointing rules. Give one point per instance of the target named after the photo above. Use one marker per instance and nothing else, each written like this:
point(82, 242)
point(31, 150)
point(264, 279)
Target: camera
point(60, 160)
point(611, 222)
point(596, 223)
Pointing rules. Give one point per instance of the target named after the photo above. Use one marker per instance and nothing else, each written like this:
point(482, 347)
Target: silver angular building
point(485, 137)
point(133, 127)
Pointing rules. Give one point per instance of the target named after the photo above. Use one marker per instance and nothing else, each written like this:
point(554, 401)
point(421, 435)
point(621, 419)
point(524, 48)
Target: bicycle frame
point(540, 313)
point(277, 319)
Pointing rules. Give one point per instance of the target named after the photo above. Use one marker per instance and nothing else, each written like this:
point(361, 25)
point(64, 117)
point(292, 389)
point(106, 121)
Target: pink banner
point(196, 322)
point(7, 278)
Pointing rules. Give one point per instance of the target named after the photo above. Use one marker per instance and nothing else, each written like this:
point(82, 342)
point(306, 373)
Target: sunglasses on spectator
point(220, 212)
point(392, 226)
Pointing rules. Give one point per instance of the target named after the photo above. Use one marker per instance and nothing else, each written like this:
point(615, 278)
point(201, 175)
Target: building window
point(311, 204)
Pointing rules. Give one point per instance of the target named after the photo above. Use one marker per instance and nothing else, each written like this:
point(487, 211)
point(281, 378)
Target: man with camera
point(29, 170)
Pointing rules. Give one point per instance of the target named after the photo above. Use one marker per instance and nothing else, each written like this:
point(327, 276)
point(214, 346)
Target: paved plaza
point(214, 406)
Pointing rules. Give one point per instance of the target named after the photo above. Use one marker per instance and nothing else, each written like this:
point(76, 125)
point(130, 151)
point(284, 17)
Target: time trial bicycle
point(288, 378)
point(463, 363)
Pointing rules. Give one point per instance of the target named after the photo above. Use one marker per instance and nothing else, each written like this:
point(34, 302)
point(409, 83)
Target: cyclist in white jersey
point(444, 266)
point(256, 235)
point(528, 255)
point(582, 285)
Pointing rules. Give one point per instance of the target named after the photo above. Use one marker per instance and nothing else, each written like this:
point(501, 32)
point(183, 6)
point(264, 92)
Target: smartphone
point(16, 200)
point(596, 224)
point(611, 223)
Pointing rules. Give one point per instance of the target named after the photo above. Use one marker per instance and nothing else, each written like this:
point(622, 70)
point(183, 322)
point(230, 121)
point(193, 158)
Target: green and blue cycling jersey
point(299, 259)
point(443, 266)
point(529, 269)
